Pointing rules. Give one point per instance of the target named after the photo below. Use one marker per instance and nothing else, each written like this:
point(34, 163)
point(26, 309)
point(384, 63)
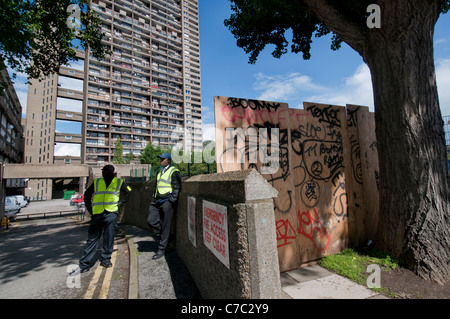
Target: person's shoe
point(159, 254)
point(78, 271)
point(106, 264)
point(83, 270)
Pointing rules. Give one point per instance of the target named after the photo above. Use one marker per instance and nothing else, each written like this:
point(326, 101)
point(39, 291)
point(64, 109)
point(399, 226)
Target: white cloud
point(295, 88)
point(22, 95)
point(208, 124)
point(66, 149)
point(440, 41)
point(21, 88)
point(357, 89)
point(78, 65)
point(283, 88)
point(70, 83)
point(209, 132)
point(207, 114)
point(69, 105)
point(443, 84)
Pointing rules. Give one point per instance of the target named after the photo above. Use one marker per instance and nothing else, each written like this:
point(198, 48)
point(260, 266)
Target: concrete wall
point(125, 170)
point(136, 210)
point(253, 271)
point(44, 171)
point(41, 176)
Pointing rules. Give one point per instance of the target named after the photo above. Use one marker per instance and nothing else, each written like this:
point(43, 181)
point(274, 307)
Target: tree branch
point(354, 34)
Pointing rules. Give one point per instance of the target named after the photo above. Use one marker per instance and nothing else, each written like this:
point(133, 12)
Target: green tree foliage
point(194, 167)
point(150, 156)
point(37, 37)
point(129, 158)
point(118, 152)
point(258, 23)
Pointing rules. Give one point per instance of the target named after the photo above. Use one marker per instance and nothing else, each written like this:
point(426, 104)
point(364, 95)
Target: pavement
point(168, 277)
point(164, 278)
point(315, 282)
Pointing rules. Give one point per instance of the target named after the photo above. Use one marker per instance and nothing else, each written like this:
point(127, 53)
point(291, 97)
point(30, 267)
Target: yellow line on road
point(107, 280)
point(93, 284)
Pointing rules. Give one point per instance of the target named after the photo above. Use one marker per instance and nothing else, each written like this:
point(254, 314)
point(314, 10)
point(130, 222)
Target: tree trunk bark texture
point(414, 220)
point(414, 190)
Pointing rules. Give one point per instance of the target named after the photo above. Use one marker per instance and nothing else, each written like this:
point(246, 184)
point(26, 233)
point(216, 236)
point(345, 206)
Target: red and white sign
point(215, 231)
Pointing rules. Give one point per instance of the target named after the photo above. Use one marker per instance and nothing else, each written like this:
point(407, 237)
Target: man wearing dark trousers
point(106, 202)
point(162, 207)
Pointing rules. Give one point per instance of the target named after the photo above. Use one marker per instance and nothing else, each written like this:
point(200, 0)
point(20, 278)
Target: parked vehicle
point(77, 200)
point(21, 200)
point(11, 207)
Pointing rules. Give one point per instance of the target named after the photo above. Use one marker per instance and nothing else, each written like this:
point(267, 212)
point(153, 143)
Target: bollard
point(5, 222)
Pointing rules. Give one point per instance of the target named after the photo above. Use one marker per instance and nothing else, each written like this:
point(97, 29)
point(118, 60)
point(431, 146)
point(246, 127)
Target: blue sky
point(336, 77)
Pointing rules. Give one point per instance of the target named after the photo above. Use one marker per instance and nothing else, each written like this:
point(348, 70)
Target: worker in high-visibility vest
point(106, 202)
point(162, 207)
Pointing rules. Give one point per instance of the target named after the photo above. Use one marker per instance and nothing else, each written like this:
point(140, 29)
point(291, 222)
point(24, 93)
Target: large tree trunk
point(414, 190)
point(414, 218)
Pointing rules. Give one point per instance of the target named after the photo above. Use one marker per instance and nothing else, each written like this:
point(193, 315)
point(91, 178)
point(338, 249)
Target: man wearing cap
point(106, 202)
point(168, 185)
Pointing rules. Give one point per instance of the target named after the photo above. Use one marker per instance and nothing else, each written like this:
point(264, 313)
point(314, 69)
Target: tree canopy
point(258, 23)
point(118, 152)
point(37, 37)
point(150, 156)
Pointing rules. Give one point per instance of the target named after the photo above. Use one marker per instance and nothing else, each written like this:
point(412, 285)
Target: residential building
point(11, 137)
point(147, 91)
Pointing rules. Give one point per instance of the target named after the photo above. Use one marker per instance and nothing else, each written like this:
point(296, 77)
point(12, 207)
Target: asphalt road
point(37, 255)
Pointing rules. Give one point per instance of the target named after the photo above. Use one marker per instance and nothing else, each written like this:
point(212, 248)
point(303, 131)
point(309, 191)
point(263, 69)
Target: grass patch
point(353, 265)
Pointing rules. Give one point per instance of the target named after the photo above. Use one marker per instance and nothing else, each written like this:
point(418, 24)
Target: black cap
point(108, 168)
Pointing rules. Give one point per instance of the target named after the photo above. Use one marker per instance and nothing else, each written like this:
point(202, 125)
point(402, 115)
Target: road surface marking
point(107, 280)
point(93, 284)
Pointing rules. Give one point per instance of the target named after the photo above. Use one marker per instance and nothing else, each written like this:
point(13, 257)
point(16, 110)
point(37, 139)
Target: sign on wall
point(215, 230)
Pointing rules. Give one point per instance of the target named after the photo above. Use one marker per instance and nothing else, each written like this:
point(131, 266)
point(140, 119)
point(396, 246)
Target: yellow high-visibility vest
point(106, 198)
point(163, 183)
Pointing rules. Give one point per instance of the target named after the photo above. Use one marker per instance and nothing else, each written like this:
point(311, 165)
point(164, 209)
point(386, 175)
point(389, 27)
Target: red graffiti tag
point(285, 232)
point(312, 228)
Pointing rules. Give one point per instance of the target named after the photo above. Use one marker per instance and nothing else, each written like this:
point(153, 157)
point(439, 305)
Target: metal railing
point(58, 213)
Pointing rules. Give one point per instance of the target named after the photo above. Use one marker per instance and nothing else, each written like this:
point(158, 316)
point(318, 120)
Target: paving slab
point(308, 273)
point(329, 287)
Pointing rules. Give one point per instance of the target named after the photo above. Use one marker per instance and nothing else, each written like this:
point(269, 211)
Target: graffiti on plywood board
point(319, 160)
